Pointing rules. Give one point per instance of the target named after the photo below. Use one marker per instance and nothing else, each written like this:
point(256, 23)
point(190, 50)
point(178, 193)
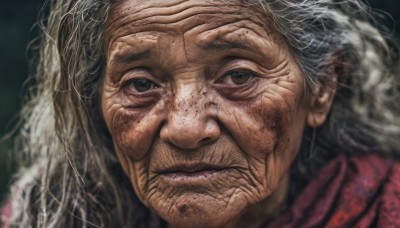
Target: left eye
point(237, 77)
point(141, 85)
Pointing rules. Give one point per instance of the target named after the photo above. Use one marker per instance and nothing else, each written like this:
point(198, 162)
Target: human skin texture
point(206, 106)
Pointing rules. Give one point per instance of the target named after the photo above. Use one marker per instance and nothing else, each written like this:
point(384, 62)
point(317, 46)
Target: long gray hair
point(70, 175)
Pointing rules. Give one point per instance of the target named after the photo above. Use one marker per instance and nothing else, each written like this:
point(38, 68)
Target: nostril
point(205, 140)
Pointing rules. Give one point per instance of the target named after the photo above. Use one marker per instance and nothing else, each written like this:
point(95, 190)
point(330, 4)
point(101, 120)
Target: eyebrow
point(129, 57)
point(222, 45)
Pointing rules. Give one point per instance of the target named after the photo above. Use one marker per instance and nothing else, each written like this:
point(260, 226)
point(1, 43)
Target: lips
point(192, 174)
point(191, 168)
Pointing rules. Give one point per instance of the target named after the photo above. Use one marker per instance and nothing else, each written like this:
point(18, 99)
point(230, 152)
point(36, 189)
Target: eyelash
point(239, 73)
point(148, 84)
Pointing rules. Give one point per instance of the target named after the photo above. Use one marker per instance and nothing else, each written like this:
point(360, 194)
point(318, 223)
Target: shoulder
point(356, 191)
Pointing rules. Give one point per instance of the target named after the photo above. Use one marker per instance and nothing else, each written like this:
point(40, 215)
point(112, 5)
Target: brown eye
point(141, 85)
point(237, 77)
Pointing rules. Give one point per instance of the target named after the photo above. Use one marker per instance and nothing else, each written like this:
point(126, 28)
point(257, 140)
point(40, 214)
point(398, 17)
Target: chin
point(198, 210)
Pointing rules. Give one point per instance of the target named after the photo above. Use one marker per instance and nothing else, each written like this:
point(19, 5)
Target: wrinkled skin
point(204, 83)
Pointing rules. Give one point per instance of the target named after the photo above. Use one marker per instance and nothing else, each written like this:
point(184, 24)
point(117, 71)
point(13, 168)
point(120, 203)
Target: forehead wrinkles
point(127, 17)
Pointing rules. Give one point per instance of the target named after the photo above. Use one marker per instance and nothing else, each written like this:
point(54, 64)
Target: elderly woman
point(211, 114)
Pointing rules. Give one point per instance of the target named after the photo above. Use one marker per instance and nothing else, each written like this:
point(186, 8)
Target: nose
point(191, 122)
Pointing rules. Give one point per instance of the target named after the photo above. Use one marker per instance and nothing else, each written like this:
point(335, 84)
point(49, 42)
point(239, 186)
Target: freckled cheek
point(272, 121)
point(128, 136)
point(286, 123)
point(277, 145)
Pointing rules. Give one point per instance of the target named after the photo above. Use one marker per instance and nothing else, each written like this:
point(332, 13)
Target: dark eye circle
point(141, 85)
point(238, 77)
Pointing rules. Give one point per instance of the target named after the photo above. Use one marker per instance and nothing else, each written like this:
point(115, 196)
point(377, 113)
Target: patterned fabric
point(360, 192)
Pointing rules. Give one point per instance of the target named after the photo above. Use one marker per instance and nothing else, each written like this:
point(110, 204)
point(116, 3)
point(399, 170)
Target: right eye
point(141, 85)
point(237, 77)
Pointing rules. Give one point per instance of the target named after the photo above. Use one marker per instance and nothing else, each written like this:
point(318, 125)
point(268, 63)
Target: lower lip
point(193, 178)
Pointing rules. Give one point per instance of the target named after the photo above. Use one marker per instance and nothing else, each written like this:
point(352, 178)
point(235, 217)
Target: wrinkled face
point(206, 107)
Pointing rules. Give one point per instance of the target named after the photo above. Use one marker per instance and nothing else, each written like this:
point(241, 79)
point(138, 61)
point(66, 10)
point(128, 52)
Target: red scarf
point(362, 191)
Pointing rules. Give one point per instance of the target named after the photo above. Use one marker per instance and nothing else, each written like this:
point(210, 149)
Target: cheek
point(283, 119)
point(258, 126)
point(132, 129)
point(128, 133)
point(269, 130)
point(133, 134)
point(280, 122)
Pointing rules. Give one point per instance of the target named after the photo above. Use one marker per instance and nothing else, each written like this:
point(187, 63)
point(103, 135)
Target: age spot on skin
point(183, 210)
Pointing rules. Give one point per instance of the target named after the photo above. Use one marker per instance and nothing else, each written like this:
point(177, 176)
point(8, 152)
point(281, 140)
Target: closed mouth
point(191, 168)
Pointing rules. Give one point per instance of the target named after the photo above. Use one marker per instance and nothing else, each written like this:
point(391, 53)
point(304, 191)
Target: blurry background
point(16, 22)
point(17, 18)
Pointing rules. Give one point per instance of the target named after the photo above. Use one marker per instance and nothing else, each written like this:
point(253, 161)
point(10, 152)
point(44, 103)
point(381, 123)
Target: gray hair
point(72, 176)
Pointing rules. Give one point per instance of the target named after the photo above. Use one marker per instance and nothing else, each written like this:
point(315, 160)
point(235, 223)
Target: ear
point(320, 102)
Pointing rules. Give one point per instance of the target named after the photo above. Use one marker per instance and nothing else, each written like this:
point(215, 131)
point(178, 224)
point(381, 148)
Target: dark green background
point(17, 18)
